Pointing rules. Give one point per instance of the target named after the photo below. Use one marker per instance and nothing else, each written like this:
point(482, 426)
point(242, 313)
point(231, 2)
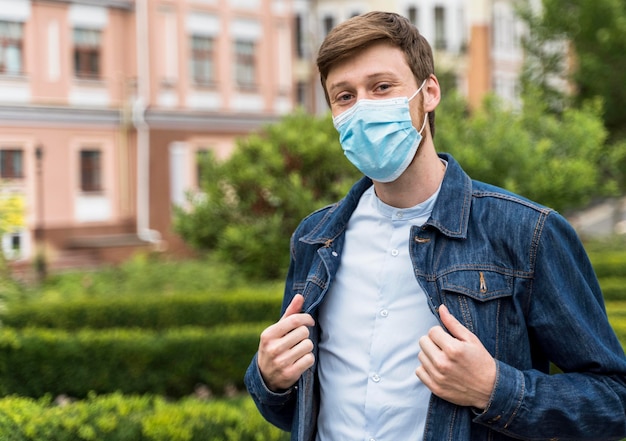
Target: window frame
point(11, 163)
point(87, 54)
point(90, 170)
point(245, 64)
point(441, 42)
point(8, 42)
point(202, 60)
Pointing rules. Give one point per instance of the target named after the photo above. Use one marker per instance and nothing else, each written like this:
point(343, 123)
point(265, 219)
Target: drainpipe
point(141, 126)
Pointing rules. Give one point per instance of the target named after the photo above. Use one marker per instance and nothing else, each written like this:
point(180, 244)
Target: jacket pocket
point(479, 299)
point(477, 284)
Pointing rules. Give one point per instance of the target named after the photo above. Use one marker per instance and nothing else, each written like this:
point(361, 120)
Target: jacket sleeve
point(277, 408)
point(569, 325)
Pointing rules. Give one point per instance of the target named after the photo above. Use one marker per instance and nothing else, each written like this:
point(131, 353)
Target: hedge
point(116, 417)
point(613, 288)
point(34, 362)
point(164, 312)
point(158, 312)
point(609, 263)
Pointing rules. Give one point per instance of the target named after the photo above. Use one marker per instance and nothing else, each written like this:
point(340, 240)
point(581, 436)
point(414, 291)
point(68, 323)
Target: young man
point(425, 305)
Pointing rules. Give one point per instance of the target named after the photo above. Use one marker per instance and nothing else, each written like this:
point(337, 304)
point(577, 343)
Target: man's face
point(378, 72)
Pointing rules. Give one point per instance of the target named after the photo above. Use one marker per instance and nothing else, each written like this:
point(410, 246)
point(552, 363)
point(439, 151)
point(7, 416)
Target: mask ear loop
point(418, 90)
point(423, 125)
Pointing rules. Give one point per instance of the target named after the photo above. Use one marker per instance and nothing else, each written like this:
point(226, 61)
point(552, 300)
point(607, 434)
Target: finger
point(295, 306)
point(455, 327)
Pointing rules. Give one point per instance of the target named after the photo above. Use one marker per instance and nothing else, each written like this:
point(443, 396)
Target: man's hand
point(285, 347)
point(456, 366)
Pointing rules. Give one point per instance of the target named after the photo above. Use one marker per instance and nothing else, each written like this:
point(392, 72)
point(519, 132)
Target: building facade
point(477, 43)
point(105, 105)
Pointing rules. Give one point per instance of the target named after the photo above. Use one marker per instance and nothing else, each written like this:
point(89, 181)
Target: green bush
point(35, 362)
point(151, 312)
point(134, 418)
point(609, 263)
point(145, 275)
point(613, 288)
point(259, 194)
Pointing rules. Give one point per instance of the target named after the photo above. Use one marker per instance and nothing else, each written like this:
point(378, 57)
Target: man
point(425, 305)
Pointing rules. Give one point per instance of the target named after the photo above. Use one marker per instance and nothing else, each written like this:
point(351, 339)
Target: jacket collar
point(451, 211)
point(450, 214)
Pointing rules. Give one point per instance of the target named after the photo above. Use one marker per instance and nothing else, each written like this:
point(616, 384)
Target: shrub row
point(159, 312)
point(35, 362)
point(609, 263)
point(134, 418)
point(613, 288)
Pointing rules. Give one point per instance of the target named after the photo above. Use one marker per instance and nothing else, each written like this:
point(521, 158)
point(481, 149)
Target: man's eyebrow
point(369, 77)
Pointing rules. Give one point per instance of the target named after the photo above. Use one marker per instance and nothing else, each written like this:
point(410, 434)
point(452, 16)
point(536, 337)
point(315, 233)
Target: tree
point(254, 200)
point(557, 160)
point(11, 218)
point(595, 29)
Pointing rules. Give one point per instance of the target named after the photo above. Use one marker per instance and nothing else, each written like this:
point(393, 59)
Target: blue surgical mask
point(378, 136)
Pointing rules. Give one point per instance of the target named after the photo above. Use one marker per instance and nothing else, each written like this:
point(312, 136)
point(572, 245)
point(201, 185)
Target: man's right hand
point(285, 350)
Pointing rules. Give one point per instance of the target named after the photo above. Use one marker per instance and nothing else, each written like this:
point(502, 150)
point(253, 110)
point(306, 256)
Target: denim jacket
point(516, 275)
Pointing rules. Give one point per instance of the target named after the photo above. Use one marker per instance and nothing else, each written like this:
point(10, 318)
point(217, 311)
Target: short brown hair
point(361, 31)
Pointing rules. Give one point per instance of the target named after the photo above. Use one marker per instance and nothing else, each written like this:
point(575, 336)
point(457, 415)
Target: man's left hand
point(456, 366)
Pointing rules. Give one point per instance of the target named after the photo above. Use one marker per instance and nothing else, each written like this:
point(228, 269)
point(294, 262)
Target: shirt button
point(394, 252)
point(384, 313)
point(399, 215)
point(375, 378)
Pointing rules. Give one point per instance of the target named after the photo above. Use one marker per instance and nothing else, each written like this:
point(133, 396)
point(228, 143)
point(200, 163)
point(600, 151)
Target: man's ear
point(432, 93)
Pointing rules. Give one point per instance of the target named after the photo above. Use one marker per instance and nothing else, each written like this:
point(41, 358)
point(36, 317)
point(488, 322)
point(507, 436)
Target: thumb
point(454, 327)
point(295, 306)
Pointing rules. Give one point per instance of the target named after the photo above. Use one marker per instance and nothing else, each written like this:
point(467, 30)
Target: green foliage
point(35, 362)
point(145, 275)
point(613, 288)
point(594, 31)
point(555, 160)
point(609, 263)
point(149, 312)
point(255, 199)
point(12, 208)
point(116, 417)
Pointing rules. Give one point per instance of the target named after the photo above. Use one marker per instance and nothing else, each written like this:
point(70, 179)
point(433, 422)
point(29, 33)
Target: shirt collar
point(450, 214)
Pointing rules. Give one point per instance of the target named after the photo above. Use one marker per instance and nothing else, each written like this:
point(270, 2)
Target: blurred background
point(108, 106)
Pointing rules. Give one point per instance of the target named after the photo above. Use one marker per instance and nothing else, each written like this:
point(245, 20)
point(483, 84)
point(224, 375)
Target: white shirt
point(371, 321)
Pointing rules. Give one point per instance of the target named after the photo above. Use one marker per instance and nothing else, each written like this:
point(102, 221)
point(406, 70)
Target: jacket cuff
point(506, 398)
point(259, 390)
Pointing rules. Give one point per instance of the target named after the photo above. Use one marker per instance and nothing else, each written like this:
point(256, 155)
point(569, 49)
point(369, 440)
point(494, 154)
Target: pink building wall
point(47, 106)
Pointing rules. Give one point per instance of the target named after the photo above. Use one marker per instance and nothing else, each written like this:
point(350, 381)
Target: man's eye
point(344, 97)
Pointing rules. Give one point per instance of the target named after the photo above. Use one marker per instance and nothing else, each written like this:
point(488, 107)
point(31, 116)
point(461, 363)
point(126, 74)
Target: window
point(90, 171)
point(86, 53)
point(245, 69)
point(299, 36)
point(202, 158)
point(11, 164)
point(413, 15)
point(13, 244)
point(10, 48)
point(302, 94)
point(202, 60)
point(329, 24)
point(440, 28)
